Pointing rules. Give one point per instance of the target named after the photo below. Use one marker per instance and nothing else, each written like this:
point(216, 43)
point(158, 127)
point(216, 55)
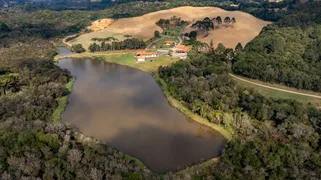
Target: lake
point(125, 108)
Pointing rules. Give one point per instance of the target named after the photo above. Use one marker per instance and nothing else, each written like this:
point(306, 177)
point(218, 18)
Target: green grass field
point(62, 102)
point(85, 39)
point(173, 31)
point(161, 43)
point(280, 94)
point(128, 59)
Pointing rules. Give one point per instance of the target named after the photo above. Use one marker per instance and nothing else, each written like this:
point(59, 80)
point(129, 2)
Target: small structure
point(183, 56)
point(182, 49)
point(140, 58)
point(162, 51)
point(152, 60)
point(142, 55)
point(169, 43)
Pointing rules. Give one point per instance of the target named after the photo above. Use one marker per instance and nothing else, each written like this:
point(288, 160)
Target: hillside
point(272, 138)
point(288, 52)
point(246, 28)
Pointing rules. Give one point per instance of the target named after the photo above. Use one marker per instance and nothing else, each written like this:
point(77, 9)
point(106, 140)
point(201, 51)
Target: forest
point(114, 44)
point(33, 146)
point(287, 52)
point(273, 138)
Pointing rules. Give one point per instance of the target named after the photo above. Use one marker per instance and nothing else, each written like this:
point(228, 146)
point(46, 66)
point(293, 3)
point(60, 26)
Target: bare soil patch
point(143, 27)
point(100, 24)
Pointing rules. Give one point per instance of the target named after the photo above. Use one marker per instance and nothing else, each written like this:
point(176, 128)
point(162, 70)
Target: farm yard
point(164, 43)
point(127, 59)
point(143, 27)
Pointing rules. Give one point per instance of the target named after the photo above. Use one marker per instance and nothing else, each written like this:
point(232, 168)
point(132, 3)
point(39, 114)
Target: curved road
point(274, 88)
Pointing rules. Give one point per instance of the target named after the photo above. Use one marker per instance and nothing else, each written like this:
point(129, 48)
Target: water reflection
point(126, 109)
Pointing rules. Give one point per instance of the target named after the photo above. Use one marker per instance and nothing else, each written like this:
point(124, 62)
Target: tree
point(8, 81)
point(198, 25)
point(74, 156)
point(238, 47)
point(229, 54)
point(77, 48)
point(212, 46)
point(219, 20)
point(4, 27)
point(205, 25)
point(193, 35)
point(233, 20)
point(207, 19)
point(94, 47)
point(227, 20)
point(156, 33)
point(220, 48)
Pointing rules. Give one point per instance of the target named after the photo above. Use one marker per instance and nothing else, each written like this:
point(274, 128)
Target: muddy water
point(126, 109)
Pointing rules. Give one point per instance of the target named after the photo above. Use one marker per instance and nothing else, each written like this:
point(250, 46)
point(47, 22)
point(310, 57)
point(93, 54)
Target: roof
point(145, 53)
point(162, 50)
point(169, 42)
point(183, 48)
point(140, 57)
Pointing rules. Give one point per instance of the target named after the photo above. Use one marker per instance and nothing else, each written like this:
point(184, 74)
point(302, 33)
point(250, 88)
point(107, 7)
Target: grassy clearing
point(280, 94)
point(128, 59)
point(85, 39)
point(174, 31)
point(178, 105)
point(62, 102)
point(161, 43)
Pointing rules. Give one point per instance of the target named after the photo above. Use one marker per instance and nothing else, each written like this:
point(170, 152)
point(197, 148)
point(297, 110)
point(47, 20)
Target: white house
point(140, 58)
point(142, 55)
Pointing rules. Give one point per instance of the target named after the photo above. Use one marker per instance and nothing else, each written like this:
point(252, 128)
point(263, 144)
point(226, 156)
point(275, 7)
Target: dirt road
point(274, 88)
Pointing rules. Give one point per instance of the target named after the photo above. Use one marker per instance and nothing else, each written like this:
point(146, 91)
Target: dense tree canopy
point(109, 45)
point(77, 48)
point(274, 138)
point(287, 53)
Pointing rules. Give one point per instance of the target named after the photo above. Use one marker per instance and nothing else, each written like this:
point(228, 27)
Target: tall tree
point(77, 48)
point(219, 20)
point(212, 47)
point(238, 47)
point(220, 48)
point(156, 33)
point(233, 20)
point(227, 20)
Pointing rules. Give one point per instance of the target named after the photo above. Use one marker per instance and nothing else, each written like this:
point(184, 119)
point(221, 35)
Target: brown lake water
point(125, 108)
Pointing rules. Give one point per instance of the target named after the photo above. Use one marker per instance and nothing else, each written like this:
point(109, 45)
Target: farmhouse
point(182, 49)
point(142, 55)
point(147, 54)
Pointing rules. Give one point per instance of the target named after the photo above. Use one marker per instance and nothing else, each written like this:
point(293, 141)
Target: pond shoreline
point(172, 101)
point(63, 101)
point(182, 109)
point(179, 106)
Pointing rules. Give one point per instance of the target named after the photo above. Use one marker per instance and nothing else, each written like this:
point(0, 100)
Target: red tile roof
point(145, 53)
